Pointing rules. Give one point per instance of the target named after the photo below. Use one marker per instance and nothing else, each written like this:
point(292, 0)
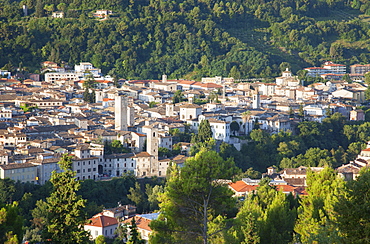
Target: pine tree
point(39, 9)
point(317, 221)
point(266, 217)
point(353, 209)
point(193, 197)
point(65, 208)
point(134, 234)
point(204, 132)
point(11, 223)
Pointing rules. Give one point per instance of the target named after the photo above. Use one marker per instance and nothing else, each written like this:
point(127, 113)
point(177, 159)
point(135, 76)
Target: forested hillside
point(185, 38)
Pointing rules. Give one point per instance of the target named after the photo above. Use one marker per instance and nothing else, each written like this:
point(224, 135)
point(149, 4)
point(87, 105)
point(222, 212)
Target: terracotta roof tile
point(102, 221)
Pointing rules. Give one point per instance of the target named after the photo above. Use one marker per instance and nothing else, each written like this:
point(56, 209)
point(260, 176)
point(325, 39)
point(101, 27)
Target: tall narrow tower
point(152, 140)
point(169, 109)
point(120, 112)
point(130, 116)
point(256, 101)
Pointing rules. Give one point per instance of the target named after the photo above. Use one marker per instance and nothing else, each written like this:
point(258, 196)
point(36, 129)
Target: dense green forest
point(185, 38)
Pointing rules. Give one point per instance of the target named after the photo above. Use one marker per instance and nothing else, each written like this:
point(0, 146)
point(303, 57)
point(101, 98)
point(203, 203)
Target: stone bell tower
point(120, 112)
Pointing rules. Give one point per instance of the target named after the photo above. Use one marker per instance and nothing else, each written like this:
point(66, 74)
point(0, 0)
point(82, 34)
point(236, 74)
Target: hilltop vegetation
point(185, 38)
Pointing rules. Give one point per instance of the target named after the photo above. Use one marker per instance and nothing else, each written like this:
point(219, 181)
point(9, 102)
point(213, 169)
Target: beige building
point(360, 68)
point(23, 172)
point(12, 139)
point(350, 94)
point(45, 167)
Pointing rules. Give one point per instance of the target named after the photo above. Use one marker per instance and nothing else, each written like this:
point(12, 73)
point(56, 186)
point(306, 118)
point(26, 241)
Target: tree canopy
point(194, 195)
point(65, 208)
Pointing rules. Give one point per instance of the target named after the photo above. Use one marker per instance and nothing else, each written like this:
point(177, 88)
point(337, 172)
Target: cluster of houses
point(41, 120)
point(293, 180)
point(108, 221)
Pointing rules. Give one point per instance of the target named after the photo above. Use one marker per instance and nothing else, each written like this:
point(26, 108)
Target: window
point(83, 163)
point(83, 170)
point(94, 169)
point(78, 171)
point(88, 170)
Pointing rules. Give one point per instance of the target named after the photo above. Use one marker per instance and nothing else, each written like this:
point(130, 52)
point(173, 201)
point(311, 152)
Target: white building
point(85, 68)
point(54, 77)
point(335, 68)
point(190, 111)
point(220, 129)
point(316, 71)
point(118, 164)
point(287, 79)
point(101, 225)
point(143, 224)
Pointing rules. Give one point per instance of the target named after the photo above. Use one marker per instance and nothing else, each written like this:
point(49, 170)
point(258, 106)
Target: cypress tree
point(65, 208)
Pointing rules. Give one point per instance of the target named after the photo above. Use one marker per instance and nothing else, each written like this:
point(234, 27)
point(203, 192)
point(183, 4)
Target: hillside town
point(44, 117)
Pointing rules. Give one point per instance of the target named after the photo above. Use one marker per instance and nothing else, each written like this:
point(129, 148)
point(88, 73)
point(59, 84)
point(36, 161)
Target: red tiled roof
point(142, 154)
point(285, 188)
point(187, 82)
point(141, 223)
point(301, 190)
point(102, 221)
point(241, 186)
point(139, 134)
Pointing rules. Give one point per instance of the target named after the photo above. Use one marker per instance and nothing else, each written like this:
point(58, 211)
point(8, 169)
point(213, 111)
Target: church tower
point(99, 95)
point(120, 113)
point(169, 109)
point(256, 103)
point(152, 140)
